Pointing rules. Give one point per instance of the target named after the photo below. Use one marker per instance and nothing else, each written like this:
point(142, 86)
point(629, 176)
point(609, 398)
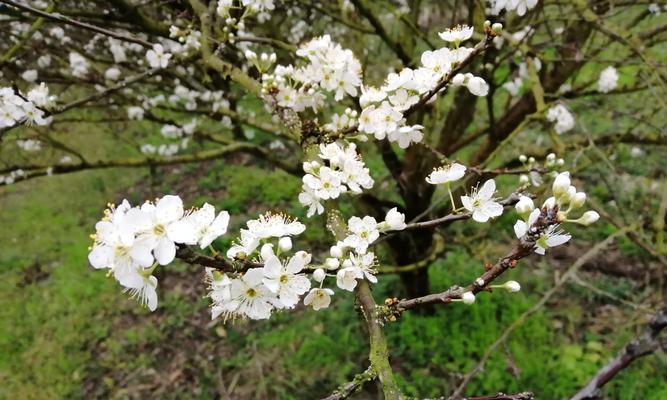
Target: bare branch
point(642, 345)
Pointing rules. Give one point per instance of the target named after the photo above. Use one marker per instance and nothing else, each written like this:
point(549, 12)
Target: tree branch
point(348, 389)
point(642, 345)
point(524, 247)
point(73, 22)
point(590, 254)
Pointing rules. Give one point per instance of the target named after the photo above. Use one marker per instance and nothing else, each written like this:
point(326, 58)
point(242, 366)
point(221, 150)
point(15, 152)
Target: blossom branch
point(523, 248)
point(137, 162)
point(73, 22)
point(508, 201)
point(479, 48)
point(216, 262)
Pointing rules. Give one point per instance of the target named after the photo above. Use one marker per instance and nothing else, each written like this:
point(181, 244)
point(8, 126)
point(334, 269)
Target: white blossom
point(481, 202)
point(157, 58)
point(457, 34)
point(446, 174)
point(318, 298)
point(608, 80)
point(564, 121)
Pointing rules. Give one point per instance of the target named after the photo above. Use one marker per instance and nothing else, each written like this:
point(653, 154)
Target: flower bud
point(307, 257)
point(458, 79)
point(250, 55)
point(551, 158)
point(561, 184)
point(525, 205)
point(588, 218)
point(336, 252)
point(531, 160)
point(523, 158)
point(497, 28)
point(331, 263)
point(285, 243)
point(512, 286)
point(524, 179)
point(266, 251)
point(578, 200)
point(549, 203)
point(319, 275)
point(468, 298)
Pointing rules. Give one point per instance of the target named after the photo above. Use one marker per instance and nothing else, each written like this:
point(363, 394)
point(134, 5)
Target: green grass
point(54, 307)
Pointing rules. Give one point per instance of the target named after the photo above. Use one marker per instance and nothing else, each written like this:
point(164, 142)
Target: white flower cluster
point(164, 149)
point(28, 109)
point(189, 40)
point(277, 284)
point(564, 194)
point(29, 145)
point(383, 108)
point(340, 122)
point(337, 170)
point(132, 241)
point(521, 6)
point(12, 177)
point(608, 80)
point(562, 118)
point(350, 257)
point(534, 177)
point(330, 69)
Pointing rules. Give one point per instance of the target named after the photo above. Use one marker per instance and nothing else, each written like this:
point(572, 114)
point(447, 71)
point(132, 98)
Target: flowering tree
point(309, 88)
